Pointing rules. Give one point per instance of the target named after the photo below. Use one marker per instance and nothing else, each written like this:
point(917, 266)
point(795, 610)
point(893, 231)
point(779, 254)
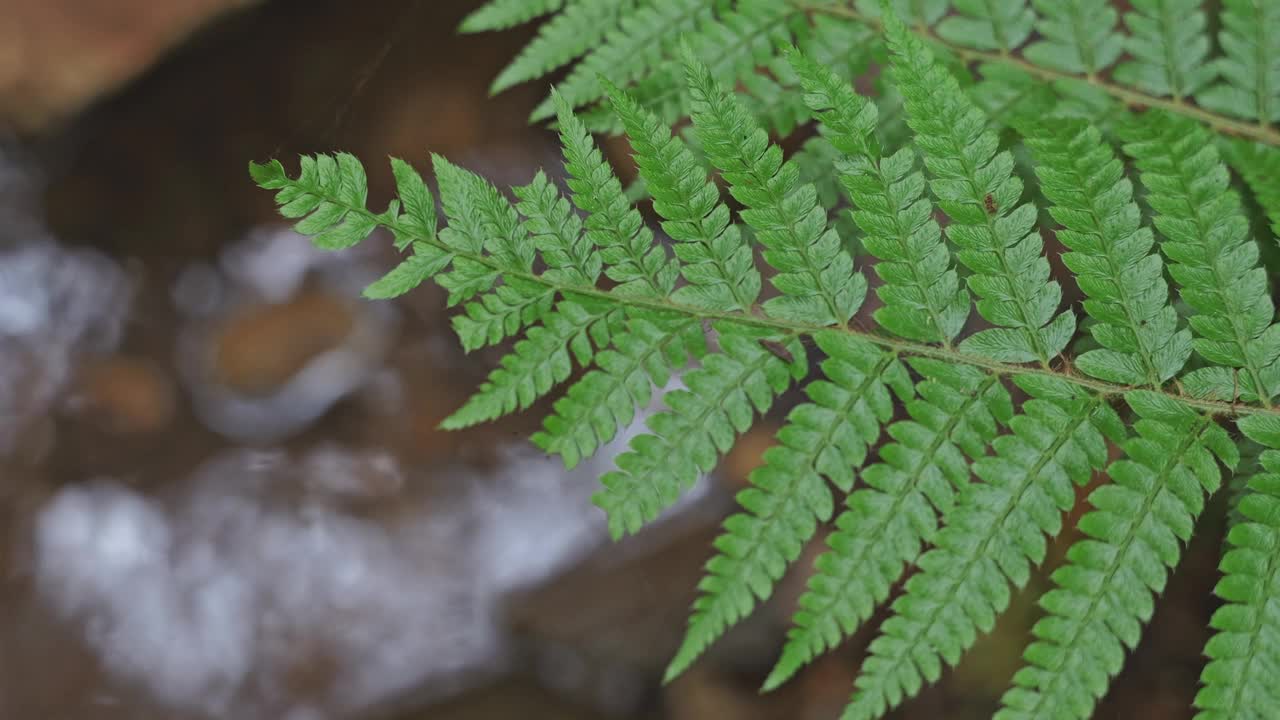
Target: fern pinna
point(953, 412)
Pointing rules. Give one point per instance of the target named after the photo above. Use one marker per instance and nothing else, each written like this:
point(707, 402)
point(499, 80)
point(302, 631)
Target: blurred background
point(222, 489)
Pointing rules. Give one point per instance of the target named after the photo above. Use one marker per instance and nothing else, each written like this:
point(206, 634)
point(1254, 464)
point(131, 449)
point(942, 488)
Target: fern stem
point(1260, 132)
point(1108, 390)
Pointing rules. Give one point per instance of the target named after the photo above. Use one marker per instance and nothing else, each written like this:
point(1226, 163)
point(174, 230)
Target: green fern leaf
point(1112, 257)
point(327, 199)
point(571, 258)
point(922, 13)
point(922, 296)
point(715, 260)
point(733, 44)
point(1214, 260)
point(503, 14)
point(975, 186)
point(1245, 651)
point(1079, 36)
point(642, 41)
point(1135, 532)
point(700, 424)
point(1259, 165)
point(1250, 70)
point(775, 95)
point(567, 36)
point(992, 536)
point(989, 24)
point(881, 530)
point(639, 266)
point(539, 362)
point(1170, 48)
point(824, 438)
point(605, 399)
point(422, 265)
point(815, 274)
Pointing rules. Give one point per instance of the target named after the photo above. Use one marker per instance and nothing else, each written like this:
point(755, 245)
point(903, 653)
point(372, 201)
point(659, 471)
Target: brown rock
point(56, 56)
point(128, 396)
point(262, 347)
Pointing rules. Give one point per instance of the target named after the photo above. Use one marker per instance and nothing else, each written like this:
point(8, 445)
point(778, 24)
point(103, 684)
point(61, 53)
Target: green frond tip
point(822, 441)
point(700, 424)
point(883, 527)
point(815, 273)
point(991, 538)
point(503, 14)
point(994, 231)
point(1244, 652)
point(327, 199)
point(922, 295)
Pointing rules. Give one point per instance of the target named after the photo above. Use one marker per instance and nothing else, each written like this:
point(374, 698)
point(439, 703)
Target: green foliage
point(502, 14)
point(943, 446)
point(1250, 39)
point(1214, 259)
point(1170, 48)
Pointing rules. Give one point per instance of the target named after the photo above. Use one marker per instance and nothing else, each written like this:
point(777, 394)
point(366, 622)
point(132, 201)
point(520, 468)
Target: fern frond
point(639, 266)
point(880, 532)
point(641, 42)
point(1104, 593)
point(605, 399)
point(775, 96)
point(923, 13)
point(1250, 70)
point(989, 24)
point(503, 14)
point(922, 296)
point(1259, 165)
point(1112, 257)
point(1170, 48)
point(991, 537)
point(975, 186)
point(822, 440)
point(539, 362)
point(733, 44)
point(1007, 94)
point(1078, 36)
point(571, 258)
point(715, 260)
point(1215, 261)
point(815, 274)
point(562, 39)
point(1244, 653)
point(702, 422)
point(327, 201)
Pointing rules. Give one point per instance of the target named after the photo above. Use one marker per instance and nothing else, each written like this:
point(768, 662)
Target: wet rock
point(277, 335)
point(124, 395)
